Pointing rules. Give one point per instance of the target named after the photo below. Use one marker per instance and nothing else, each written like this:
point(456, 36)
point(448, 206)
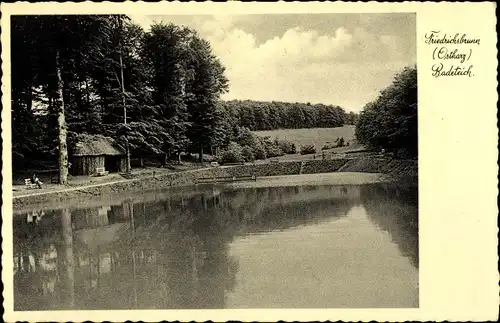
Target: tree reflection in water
point(166, 252)
point(395, 210)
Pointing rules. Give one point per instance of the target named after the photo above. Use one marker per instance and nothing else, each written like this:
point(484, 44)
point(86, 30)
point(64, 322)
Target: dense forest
point(156, 92)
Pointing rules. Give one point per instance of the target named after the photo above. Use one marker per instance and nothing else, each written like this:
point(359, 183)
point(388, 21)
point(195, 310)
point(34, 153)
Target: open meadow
point(312, 136)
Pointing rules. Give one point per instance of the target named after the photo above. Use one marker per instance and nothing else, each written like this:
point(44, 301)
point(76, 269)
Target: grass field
point(313, 136)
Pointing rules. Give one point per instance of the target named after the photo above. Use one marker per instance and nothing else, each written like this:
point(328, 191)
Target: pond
point(222, 247)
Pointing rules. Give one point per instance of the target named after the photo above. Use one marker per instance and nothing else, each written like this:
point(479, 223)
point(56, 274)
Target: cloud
point(144, 21)
point(346, 67)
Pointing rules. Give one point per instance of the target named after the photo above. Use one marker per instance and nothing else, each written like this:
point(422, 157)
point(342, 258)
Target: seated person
point(35, 180)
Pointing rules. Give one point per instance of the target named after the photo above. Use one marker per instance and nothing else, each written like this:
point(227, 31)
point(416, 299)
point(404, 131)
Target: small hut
point(95, 151)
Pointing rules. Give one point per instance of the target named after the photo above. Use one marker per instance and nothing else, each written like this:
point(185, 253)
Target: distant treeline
point(259, 115)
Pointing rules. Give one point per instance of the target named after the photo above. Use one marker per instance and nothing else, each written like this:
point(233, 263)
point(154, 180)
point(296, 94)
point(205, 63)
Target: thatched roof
point(96, 145)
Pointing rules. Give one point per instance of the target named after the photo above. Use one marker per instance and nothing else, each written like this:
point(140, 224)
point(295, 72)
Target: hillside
point(313, 136)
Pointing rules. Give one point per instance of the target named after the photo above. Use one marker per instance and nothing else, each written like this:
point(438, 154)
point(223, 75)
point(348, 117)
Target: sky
point(339, 59)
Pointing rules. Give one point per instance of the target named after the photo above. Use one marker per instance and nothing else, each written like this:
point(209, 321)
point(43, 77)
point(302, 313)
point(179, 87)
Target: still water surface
point(279, 247)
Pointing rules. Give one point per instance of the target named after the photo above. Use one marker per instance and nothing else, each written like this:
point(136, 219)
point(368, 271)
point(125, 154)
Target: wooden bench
point(53, 173)
point(28, 184)
point(100, 171)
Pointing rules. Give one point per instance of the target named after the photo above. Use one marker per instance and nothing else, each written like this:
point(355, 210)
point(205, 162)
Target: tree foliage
point(390, 122)
point(232, 154)
point(172, 87)
point(257, 115)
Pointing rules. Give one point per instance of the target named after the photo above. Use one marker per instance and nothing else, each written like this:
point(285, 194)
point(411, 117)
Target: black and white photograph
point(214, 161)
point(186, 162)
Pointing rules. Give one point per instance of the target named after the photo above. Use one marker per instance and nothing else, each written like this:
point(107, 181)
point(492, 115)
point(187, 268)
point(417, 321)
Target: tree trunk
point(127, 148)
point(201, 154)
point(61, 122)
point(29, 99)
point(87, 91)
point(127, 151)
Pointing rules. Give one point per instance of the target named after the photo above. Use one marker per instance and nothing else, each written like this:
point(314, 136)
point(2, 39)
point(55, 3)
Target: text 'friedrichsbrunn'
point(451, 53)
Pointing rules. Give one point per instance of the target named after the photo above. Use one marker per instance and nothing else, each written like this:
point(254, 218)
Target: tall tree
point(122, 85)
point(61, 122)
point(390, 122)
point(206, 84)
point(165, 52)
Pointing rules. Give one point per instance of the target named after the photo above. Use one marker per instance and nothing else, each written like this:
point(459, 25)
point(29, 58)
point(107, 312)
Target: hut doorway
point(112, 164)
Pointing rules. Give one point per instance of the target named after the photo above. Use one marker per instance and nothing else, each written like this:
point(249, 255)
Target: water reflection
point(171, 252)
point(395, 210)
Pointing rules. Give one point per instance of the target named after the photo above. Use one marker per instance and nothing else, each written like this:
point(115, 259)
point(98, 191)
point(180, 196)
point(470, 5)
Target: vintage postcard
point(249, 161)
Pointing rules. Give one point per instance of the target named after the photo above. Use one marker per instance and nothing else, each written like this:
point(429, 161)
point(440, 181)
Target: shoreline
point(290, 173)
point(330, 179)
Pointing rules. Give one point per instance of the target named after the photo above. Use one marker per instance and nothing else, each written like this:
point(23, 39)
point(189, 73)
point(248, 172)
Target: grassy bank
point(404, 172)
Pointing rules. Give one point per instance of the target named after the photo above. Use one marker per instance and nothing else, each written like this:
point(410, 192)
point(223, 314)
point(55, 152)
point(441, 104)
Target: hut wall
point(86, 165)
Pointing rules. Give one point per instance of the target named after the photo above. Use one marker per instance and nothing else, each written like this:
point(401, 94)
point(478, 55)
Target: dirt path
point(77, 185)
point(34, 192)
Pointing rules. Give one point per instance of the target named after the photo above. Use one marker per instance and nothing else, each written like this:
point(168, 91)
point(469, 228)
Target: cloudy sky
point(341, 59)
